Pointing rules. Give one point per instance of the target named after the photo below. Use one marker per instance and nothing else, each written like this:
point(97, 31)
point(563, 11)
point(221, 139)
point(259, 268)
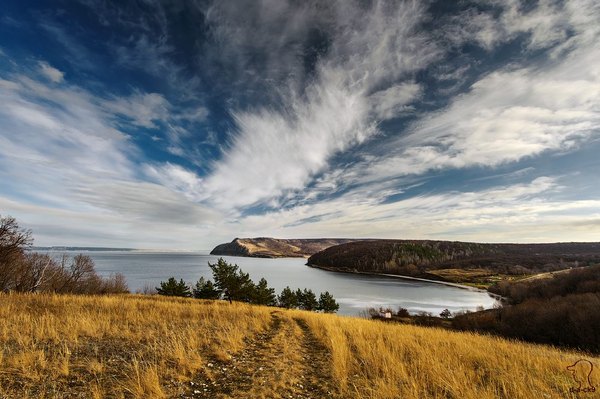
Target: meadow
point(135, 346)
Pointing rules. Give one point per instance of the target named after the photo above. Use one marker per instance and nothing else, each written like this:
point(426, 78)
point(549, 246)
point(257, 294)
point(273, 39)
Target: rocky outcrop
point(265, 247)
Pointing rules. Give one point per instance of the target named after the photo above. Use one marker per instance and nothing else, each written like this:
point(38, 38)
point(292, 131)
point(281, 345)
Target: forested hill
point(265, 247)
point(447, 260)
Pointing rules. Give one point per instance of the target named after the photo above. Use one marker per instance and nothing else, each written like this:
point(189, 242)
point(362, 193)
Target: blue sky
point(180, 125)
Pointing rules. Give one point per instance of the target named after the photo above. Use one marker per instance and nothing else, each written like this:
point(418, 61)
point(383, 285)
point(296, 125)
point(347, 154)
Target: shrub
point(402, 312)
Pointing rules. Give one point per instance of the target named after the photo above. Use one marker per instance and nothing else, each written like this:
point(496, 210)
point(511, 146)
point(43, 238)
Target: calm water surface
point(353, 292)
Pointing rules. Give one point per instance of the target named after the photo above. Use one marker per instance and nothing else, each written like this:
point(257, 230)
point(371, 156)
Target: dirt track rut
point(285, 361)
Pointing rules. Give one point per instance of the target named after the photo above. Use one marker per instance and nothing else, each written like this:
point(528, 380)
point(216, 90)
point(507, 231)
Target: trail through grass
point(54, 346)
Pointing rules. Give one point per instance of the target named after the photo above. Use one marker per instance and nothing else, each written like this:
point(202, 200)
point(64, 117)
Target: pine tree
point(229, 279)
point(307, 300)
point(263, 295)
point(288, 299)
point(205, 289)
point(327, 303)
point(173, 288)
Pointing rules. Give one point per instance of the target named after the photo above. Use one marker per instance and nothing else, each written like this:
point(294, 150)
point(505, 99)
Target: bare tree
point(25, 271)
point(13, 242)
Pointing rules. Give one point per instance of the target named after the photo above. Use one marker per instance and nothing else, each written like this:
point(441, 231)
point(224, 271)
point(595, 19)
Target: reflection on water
point(353, 292)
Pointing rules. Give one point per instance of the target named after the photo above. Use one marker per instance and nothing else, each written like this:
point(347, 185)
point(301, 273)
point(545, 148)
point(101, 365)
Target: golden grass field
point(59, 346)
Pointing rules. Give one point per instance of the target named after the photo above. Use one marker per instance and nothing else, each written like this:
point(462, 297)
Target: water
point(353, 292)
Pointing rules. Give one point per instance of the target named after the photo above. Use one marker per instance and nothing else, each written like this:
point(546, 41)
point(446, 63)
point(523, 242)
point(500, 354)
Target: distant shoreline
point(465, 287)
point(65, 248)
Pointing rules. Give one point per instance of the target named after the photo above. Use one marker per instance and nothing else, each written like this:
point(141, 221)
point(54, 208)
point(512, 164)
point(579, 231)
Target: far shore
point(461, 286)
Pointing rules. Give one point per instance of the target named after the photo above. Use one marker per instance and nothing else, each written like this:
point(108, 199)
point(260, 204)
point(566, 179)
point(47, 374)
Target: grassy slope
point(152, 347)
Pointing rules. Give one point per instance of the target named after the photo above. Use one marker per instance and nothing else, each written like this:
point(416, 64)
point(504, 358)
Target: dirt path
point(286, 361)
point(316, 362)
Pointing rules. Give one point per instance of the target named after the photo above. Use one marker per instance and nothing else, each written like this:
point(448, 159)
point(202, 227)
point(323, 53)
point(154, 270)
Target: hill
point(560, 308)
point(265, 247)
point(453, 261)
point(129, 346)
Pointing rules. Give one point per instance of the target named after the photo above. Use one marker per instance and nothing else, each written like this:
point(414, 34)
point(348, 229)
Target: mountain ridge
point(453, 261)
point(268, 247)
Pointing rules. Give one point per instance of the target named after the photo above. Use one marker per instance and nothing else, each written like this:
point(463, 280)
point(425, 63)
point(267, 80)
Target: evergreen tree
point(327, 303)
point(307, 300)
point(205, 289)
point(263, 295)
point(288, 299)
point(299, 298)
point(173, 288)
point(446, 314)
point(229, 279)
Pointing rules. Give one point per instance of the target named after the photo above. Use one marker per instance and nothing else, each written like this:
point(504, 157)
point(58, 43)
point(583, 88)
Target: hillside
point(454, 261)
point(264, 247)
point(561, 309)
point(128, 346)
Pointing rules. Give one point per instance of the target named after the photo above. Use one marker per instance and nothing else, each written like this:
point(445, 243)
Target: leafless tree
point(13, 242)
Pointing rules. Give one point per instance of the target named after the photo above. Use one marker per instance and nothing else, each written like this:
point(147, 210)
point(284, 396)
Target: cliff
point(264, 247)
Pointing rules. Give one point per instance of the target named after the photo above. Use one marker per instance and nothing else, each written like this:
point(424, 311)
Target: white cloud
point(518, 213)
point(177, 179)
point(67, 167)
point(71, 175)
point(51, 73)
point(142, 108)
point(198, 114)
point(545, 24)
point(277, 150)
point(506, 116)
point(392, 101)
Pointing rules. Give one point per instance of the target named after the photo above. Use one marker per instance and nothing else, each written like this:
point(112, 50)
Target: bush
point(402, 312)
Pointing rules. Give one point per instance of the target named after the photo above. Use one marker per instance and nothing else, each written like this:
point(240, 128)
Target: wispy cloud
point(280, 149)
point(520, 212)
point(51, 73)
point(143, 109)
point(63, 151)
point(506, 116)
point(277, 117)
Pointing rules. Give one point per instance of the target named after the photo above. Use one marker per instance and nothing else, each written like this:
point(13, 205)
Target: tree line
point(232, 284)
point(561, 310)
point(24, 271)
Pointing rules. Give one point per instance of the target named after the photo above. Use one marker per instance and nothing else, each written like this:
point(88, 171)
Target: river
point(354, 292)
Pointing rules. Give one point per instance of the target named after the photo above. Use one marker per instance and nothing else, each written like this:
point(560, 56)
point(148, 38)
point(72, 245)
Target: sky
point(184, 124)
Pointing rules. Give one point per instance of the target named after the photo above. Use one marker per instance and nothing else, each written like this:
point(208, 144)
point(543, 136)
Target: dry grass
point(121, 346)
point(150, 347)
point(380, 360)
